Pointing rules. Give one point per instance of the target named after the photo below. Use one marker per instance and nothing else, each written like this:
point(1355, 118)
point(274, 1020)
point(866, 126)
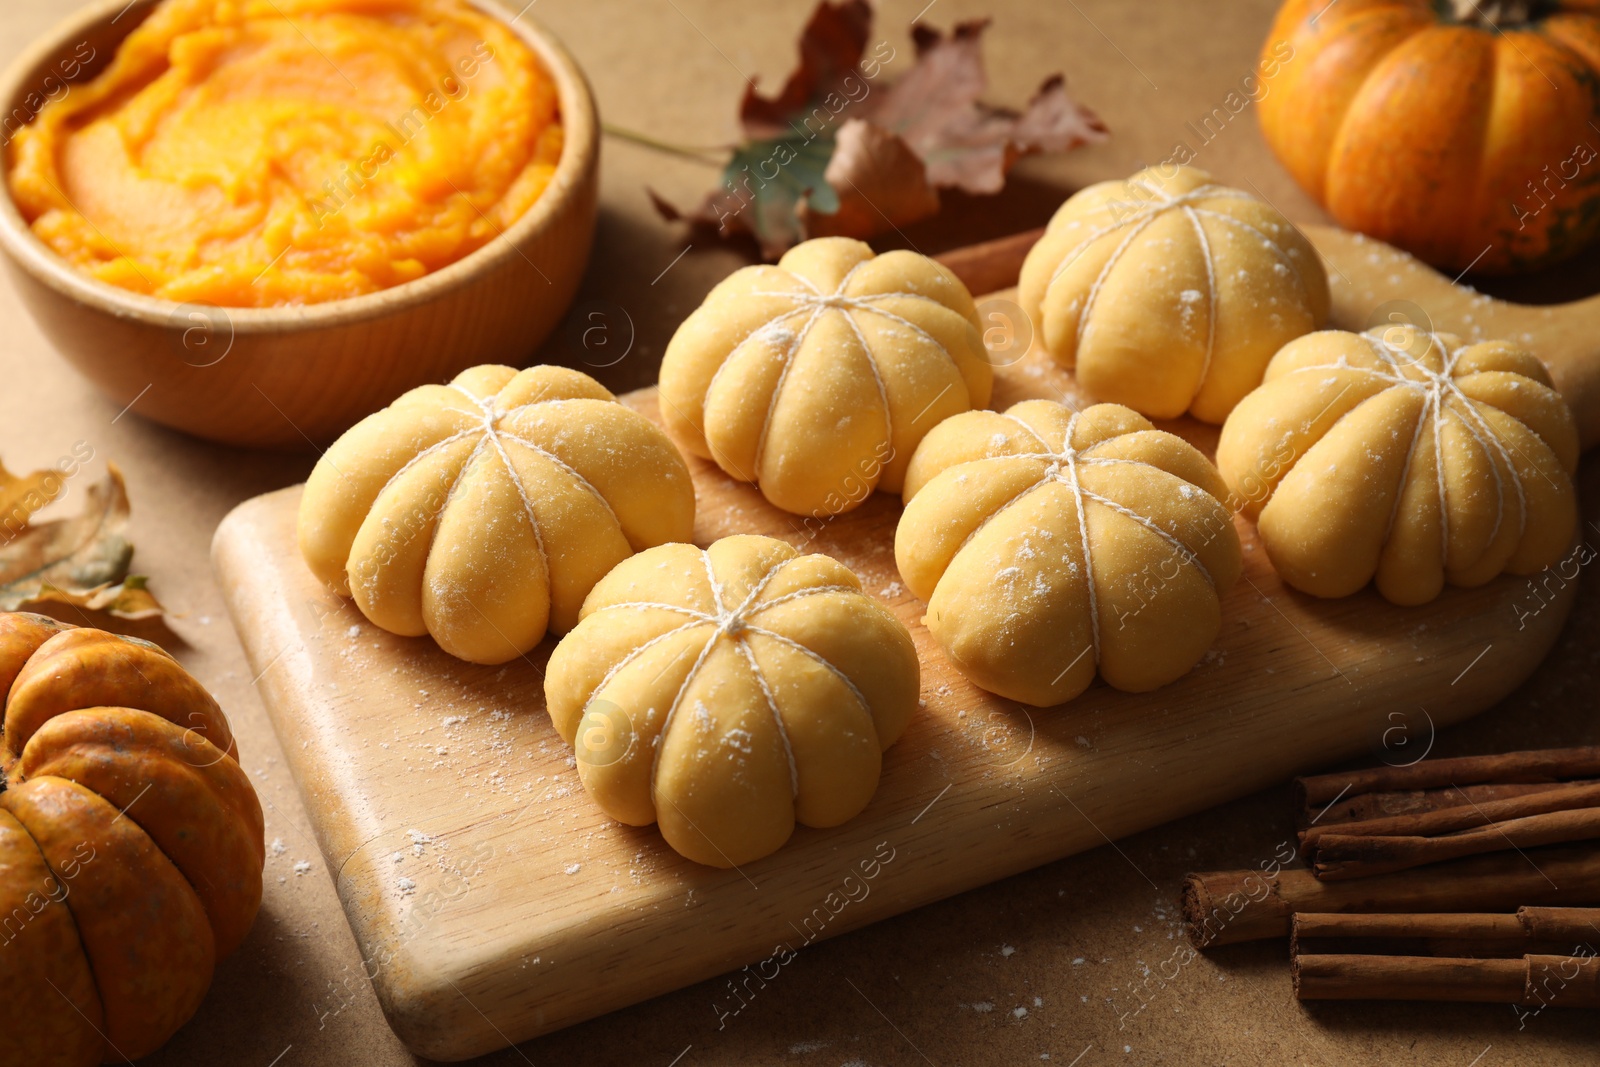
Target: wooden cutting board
point(493, 902)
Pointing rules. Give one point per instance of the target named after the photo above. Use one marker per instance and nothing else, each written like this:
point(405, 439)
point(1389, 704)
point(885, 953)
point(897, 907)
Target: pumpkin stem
point(1496, 14)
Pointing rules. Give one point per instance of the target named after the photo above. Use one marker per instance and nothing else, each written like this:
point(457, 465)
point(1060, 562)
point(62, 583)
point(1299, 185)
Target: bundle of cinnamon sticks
point(1415, 876)
point(1536, 958)
point(1359, 824)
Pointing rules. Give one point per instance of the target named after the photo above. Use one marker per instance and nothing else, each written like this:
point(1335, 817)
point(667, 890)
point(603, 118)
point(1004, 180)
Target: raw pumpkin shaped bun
point(1406, 456)
point(1049, 544)
point(130, 845)
point(482, 512)
point(1170, 293)
point(816, 378)
point(730, 692)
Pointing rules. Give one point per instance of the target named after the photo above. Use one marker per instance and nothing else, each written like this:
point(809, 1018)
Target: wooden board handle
point(992, 265)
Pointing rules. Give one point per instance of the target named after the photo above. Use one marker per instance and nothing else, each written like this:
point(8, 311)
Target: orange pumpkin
point(1460, 132)
point(130, 845)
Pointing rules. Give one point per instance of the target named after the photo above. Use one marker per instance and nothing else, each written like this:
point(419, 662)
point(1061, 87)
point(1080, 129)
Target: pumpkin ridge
point(77, 935)
point(801, 594)
point(635, 653)
point(789, 356)
point(431, 450)
point(1266, 239)
point(716, 375)
point(1480, 160)
point(1339, 364)
point(1211, 291)
point(1083, 538)
point(1035, 434)
point(491, 436)
point(743, 647)
point(126, 843)
point(1405, 479)
point(55, 675)
point(1144, 215)
point(724, 621)
point(1443, 392)
point(1045, 480)
point(572, 472)
point(1100, 279)
point(104, 753)
point(877, 375)
point(848, 306)
point(815, 657)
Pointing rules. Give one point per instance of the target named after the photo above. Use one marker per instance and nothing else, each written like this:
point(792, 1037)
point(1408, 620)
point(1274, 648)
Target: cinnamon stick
point(1557, 796)
point(1337, 856)
point(1367, 806)
point(1543, 765)
point(1560, 931)
point(1531, 981)
point(1227, 907)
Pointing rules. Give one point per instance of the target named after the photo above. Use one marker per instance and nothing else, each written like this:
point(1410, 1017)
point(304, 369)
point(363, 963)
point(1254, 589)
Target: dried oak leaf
point(82, 560)
point(790, 138)
point(831, 47)
point(832, 155)
point(964, 143)
point(879, 184)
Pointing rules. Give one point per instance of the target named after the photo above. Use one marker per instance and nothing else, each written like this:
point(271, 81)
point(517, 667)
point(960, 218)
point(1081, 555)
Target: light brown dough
point(1406, 456)
point(483, 511)
point(816, 378)
point(1049, 544)
point(730, 692)
point(1169, 293)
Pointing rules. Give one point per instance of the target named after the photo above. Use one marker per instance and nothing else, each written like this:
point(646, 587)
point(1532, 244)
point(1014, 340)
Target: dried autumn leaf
point(129, 599)
point(880, 183)
point(831, 46)
point(22, 495)
point(769, 210)
point(82, 560)
point(833, 154)
point(789, 138)
point(964, 143)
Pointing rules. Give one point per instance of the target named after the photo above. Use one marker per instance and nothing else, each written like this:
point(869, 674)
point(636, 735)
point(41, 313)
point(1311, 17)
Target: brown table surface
point(1077, 962)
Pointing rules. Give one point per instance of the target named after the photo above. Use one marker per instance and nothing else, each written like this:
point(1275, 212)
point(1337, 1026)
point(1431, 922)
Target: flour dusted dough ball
point(730, 692)
point(1169, 293)
point(1409, 457)
point(816, 378)
point(483, 511)
point(1049, 543)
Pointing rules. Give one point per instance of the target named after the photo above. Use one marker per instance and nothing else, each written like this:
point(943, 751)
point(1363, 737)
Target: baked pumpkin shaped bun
point(1051, 544)
point(130, 844)
point(1169, 293)
point(1406, 457)
point(816, 378)
point(728, 693)
point(482, 512)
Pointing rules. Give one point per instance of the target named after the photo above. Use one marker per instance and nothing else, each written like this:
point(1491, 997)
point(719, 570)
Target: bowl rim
point(579, 155)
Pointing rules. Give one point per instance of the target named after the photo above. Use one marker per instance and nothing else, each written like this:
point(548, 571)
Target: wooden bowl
point(293, 375)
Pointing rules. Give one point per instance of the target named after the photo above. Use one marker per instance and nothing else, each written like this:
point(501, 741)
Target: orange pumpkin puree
point(253, 153)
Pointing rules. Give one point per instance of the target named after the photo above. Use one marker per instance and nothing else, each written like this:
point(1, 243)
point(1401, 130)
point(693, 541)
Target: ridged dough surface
point(482, 512)
point(1403, 457)
point(1169, 293)
point(728, 693)
point(1051, 544)
point(815, 378)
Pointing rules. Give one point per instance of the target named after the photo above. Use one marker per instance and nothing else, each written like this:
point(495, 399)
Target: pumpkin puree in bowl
point(254, 153)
